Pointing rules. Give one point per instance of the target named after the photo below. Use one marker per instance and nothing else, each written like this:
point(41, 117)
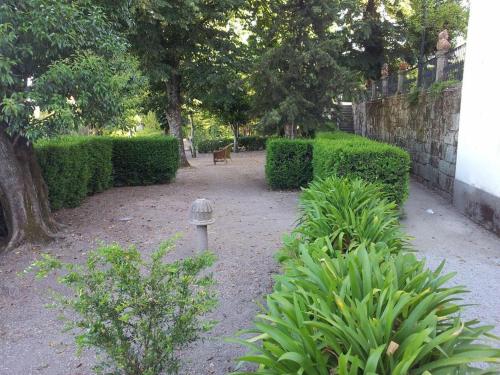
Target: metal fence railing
point(454, 68)
point(405, 81)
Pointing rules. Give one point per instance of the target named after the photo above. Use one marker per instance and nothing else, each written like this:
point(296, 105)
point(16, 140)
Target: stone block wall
point(427, 129)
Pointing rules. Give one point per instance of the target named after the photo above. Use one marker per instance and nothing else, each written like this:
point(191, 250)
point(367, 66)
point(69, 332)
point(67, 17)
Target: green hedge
point(252, 143)
point(289, 163)
point(144, 160)
point(361, 158)
point(210, 145)
point(340, 154)
point(74, 167)
point(249, 143)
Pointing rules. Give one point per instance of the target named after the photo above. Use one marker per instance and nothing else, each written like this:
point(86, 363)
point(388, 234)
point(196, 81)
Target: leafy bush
point(371, 161)
point(252, 143)
point(366, 312)
point(288, 163)
point(348, 213)
point(74, 167)
point(144, 160)
point(211, 145)
point(137, 313)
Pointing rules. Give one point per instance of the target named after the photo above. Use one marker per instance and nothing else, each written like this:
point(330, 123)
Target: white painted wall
point(478, 154)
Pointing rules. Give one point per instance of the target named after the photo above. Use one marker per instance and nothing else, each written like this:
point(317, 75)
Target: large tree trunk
point(173, 113)
point(23, 194)
point(193, 140)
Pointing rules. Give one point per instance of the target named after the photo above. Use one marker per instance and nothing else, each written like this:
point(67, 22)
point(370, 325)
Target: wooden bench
point(222, 154)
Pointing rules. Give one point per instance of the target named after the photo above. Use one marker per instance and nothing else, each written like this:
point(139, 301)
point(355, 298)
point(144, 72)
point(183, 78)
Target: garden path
point(250, 222)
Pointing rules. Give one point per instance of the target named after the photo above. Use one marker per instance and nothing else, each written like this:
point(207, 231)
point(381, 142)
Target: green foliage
point(358, 157)
point(297, 77)
point(74, 167)
point(354, 301)
point(151, 123)
point(366, 312)
point(144, 160)
point(104, 92)
point(64, 49)
point(413, 96)
point(288, 163)
point(347, 213)
point(136, 313)
point(437, 88)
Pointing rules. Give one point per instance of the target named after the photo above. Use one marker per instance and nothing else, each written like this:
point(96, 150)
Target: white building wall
point(478, 154)
point(476, 189)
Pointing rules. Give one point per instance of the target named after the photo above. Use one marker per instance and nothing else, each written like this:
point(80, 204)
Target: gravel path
point(250, 223)
point(468, 249)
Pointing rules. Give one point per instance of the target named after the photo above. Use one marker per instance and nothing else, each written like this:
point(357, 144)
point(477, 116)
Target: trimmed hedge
point(210, 145)
point(372, 161)
point(250, 143)
point(289, 163)
point(74, 167)
point(343, 155)
point(144, 160)
point(253, 143)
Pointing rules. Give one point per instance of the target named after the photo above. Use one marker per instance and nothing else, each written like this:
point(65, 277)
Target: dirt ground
point(250, 222)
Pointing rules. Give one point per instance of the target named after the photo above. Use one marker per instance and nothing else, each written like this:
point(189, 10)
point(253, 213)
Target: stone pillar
point(403, 67)
point(373, 90)
point(385, 79)
point(443, 46)
point(401, 81)
point(441, 61)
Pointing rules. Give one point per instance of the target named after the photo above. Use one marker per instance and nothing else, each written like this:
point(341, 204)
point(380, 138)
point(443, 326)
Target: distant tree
point(297, 78)
point(224, 91)
point(170, 37)
point(51, 52)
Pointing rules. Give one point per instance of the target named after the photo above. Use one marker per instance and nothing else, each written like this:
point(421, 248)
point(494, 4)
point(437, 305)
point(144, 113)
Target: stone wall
point(427, 129)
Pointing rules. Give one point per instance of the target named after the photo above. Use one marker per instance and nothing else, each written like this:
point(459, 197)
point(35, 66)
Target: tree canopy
point(171, 39)
point(297, 77)
point(73, 70)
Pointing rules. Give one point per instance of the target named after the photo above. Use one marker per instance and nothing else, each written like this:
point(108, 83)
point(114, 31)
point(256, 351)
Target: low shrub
point(144, 160)
point(136, 314)
point(347, 213)
point(357, 157)
point(288, 163)
point(252, 143)
point(211, 145)
point(74, 167)
point(366, 312)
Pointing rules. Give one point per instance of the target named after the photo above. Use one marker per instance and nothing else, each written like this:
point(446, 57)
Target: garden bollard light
point(201, 215)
